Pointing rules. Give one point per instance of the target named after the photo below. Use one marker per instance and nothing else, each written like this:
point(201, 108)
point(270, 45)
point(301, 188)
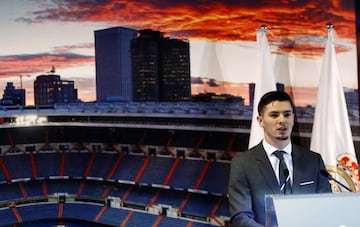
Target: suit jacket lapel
point(266, 169)
point(299, 165)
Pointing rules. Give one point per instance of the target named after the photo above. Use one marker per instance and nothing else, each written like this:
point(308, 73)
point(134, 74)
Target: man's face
point(277, 120)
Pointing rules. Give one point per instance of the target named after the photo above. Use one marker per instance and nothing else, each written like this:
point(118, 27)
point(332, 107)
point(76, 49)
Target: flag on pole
point(331, 133)
point(264, 82)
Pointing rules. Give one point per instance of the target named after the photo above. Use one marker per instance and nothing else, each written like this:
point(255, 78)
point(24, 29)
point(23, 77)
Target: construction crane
point(21, 80)
point(52, 71)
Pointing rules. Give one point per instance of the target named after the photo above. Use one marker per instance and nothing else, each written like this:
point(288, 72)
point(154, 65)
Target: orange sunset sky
point(36, 35)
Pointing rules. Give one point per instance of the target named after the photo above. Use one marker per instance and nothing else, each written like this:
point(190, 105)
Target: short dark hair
point(274, 96)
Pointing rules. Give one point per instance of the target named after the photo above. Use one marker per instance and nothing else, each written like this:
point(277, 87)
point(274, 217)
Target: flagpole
point(331, 132)
point(264, 81)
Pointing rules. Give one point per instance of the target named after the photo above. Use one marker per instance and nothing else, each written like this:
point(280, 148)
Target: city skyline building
point(160, 68)
point(13, 96)
point(49, 89)
point(113, 64)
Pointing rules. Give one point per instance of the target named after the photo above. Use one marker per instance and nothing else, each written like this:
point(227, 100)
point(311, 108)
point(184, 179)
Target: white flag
point(264, 82)
point(331, 133)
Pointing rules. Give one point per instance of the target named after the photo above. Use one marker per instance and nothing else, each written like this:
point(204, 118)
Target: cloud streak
point(25, 64)
point(70, 48)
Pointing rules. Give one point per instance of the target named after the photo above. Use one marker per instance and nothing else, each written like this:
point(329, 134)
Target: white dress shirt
point(275, 161)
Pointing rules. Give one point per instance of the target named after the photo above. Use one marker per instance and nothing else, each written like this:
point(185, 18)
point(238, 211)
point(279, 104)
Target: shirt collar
point(269, 149)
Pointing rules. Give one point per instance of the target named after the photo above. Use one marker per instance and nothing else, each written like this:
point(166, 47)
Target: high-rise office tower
point(50, 89)
point(113, 64)
point(160, 68)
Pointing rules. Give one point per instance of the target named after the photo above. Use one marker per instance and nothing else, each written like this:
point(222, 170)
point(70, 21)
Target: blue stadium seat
point(47, 164)
point(129, 167)
point(10, 191)
point(93, 189)
point(62, 186)
point(7, 217)
point(18, 165)
point(139, 219)
point(76, 163)
point(141, 194)
point(81, 211)
point(216, 178)
point(103, 164)
point(113, 216)
point(41, 211)
point(200, 204)
point(34, 188)
point(187, 173)
point(157, 170)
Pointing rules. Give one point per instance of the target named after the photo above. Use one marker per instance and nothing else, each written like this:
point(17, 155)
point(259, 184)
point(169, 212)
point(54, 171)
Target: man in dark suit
point(256, 172)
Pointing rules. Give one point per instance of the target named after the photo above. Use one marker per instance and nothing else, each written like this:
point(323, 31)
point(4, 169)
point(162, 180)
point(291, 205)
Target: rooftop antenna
point(52, 70)
point(21, 80)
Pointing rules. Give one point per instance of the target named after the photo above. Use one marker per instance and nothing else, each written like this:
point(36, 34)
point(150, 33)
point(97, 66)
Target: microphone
point(286, 174)
point(328, 175)
point(287, 177)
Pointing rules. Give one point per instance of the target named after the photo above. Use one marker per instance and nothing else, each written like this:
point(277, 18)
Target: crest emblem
point(346, 171)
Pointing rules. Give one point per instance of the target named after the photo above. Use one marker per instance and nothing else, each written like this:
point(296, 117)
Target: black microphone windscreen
point(324, 173)
point(286, 173)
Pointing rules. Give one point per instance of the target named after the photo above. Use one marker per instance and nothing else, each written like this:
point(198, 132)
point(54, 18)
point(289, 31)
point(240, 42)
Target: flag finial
point(329, 25)
point(264, 29)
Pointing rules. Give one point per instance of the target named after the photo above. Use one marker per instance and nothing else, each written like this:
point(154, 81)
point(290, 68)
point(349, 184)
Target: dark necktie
point(284, 179)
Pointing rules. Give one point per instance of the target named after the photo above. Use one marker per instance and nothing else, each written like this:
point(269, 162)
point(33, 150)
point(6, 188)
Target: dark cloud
point(229, 20)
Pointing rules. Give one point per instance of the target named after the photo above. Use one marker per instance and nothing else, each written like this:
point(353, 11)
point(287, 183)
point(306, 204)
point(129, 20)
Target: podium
point(328, 209)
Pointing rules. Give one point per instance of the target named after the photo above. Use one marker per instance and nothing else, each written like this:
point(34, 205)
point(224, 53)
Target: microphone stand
point(328, 175)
